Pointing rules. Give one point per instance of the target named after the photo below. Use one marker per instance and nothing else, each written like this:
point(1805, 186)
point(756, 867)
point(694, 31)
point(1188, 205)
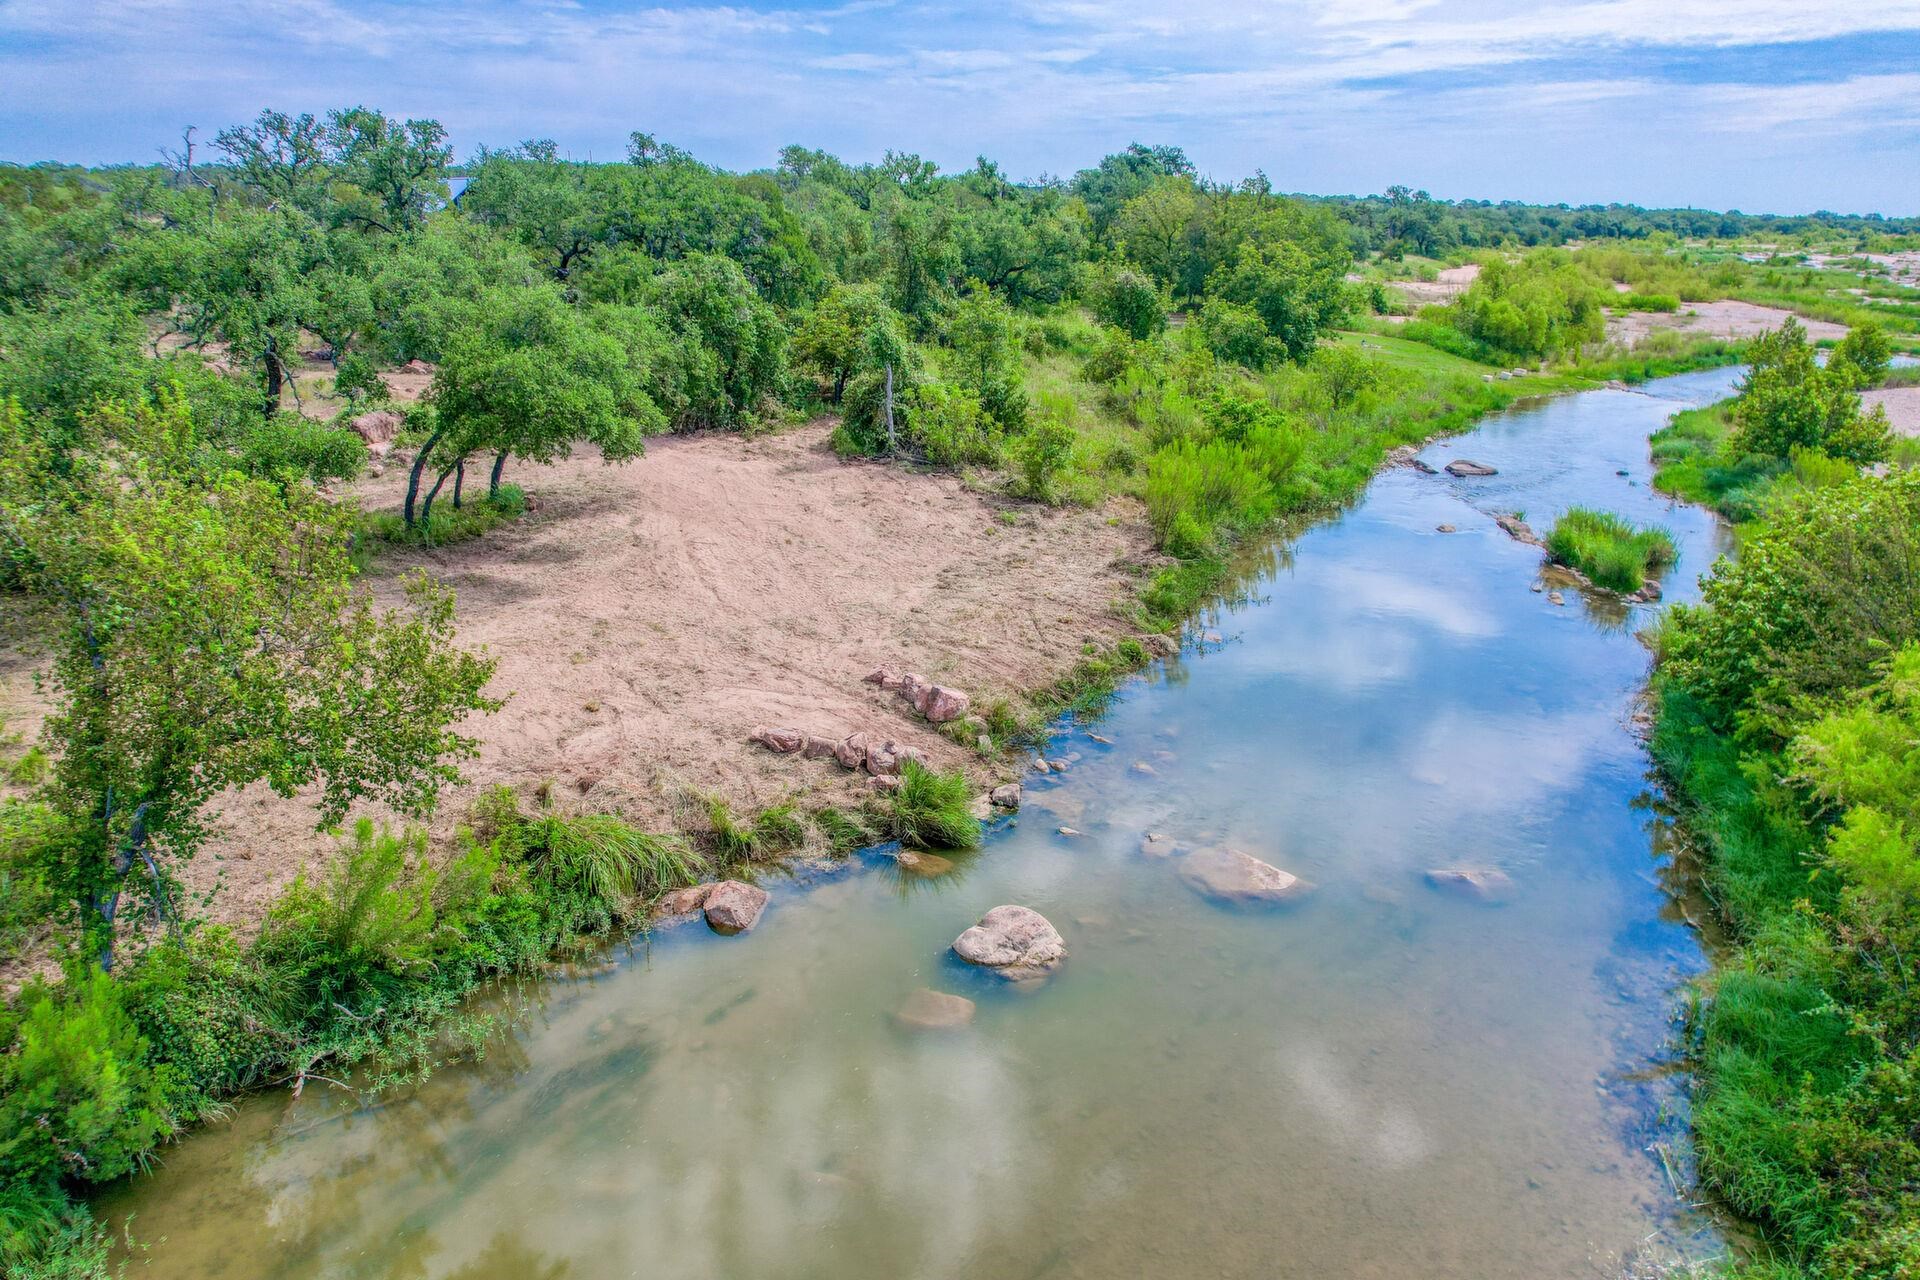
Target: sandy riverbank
point(646, 617)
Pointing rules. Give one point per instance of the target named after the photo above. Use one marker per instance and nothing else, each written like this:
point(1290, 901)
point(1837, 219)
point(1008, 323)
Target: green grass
point(931, 810)
point(1610, 551)
point(447, 524)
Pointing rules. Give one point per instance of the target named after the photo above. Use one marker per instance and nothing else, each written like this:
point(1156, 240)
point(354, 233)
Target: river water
point(1382, 1080)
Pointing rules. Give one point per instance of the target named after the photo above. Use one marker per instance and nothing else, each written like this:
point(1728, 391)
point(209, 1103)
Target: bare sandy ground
point(646, 617)
point(1902, 405)
point(1450, 284)
point(1724, 319)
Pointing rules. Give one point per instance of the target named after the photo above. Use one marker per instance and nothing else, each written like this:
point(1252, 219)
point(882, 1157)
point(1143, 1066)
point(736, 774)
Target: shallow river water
point(1383, 1080)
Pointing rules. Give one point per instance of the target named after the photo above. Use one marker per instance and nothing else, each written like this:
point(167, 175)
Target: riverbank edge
point(1165, 605)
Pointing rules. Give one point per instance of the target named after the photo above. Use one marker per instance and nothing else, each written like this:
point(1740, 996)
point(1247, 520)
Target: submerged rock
point(1015, 942)
point(925, 865)
point(1482, 884)
point(1227, 875)
point(930, 1010)
point(733, 906)
point(1519, 530)
point(1464, 467)
point(1154, 844)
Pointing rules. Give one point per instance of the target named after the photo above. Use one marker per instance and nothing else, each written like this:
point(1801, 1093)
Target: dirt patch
point(1444, 288)
point(1724, 319)
point(1902, 405)
point(646, 617)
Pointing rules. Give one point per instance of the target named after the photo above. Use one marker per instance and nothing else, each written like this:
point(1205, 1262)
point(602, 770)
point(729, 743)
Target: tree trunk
point(413, 476)
point(108, 905)
point(459, 480)
point(270, 403)
point(839, 385)
point(893, 443)
point(426, 508)
point(493, 481)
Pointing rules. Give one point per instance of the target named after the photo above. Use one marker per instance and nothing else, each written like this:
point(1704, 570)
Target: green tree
point(529, 376)
point(1158, 228)
point(734, 348)
point(837, 337)
point(1788, 402)
point(209, 636)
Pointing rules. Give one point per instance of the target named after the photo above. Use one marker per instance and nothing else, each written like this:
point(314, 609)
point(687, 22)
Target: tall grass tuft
point(931, 810)
point(1611, 551)
point(601, 858)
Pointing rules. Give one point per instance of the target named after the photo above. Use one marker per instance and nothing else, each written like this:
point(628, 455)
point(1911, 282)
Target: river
point(1384, 1079)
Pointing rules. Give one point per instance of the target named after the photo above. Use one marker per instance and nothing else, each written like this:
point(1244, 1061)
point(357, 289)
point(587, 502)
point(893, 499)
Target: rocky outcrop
point(682, 902)
point(786, 741)
point(378, 429)
point(929, 1010)
point(733, 906)
point(938, 703)
point(1463, 467)
point(1519, 530)
point(1240, 879)
point(1018, 943)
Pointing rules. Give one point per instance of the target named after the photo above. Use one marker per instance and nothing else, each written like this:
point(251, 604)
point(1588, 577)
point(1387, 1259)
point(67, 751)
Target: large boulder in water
point(1227, 875)
point(734, 906)
point(1014, 942)
point(1462, 467)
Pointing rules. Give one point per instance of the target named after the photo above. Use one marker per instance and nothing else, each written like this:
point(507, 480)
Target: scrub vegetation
point(1788, 717)
point(190, 355)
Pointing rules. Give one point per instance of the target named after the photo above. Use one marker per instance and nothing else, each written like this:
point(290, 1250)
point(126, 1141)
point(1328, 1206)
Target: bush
point(1042, 454)
point(1648, 302)
point(1194, 489)
point(1541, 305)
point(1788, 401)
point(1817, 600)
point(80, 1099)
point(950, 426)
point(1610, 551)
point(1130, 301)
point(1236, 334)
point(931, 810)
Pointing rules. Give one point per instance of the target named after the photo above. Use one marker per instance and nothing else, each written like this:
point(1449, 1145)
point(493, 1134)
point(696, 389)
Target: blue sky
point(1785, 105)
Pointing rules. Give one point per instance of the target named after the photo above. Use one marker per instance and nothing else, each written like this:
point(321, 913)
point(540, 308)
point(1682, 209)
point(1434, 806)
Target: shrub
point(1236, 334)
point(1648, 302)
point(1609, 550)
point(79, 1098)
point(950, 425)
point(1818, 598)
point(1541, 305)
point(1042, 454)
point(931, 810)
point(1789, 402)
point(1130, 301)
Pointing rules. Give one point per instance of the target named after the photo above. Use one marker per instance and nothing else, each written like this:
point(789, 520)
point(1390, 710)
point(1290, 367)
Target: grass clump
point(447, 524)
point(1610, 551)
point(931, 810)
